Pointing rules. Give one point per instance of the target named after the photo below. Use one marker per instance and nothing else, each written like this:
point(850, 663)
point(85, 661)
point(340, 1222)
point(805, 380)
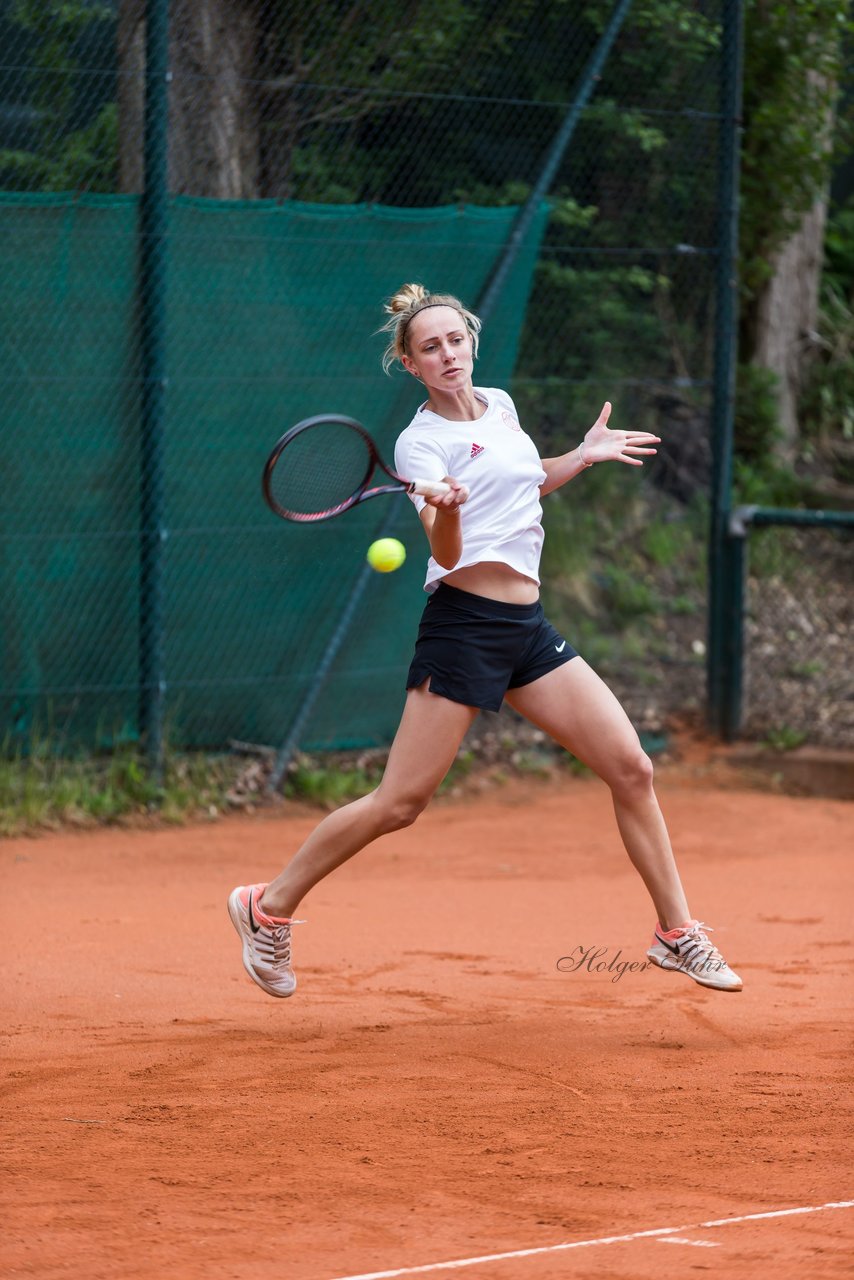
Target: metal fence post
point(738, 533)
point(721, 575)
point(153, 215)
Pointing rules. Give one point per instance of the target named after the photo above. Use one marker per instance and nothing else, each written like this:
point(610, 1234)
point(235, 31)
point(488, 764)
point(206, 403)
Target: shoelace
point(274, 941)
point(281, 934)
point(703, 946)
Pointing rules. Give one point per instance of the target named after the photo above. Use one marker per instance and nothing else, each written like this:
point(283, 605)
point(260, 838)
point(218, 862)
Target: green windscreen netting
point(271, 315)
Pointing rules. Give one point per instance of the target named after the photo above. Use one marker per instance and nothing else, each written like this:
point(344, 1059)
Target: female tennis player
point(483, 640)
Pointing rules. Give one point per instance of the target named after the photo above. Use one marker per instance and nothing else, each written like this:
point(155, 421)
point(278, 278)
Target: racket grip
point(429, 488)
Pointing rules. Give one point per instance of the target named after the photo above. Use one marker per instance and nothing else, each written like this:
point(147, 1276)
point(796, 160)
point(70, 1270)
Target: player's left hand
point(602, 444)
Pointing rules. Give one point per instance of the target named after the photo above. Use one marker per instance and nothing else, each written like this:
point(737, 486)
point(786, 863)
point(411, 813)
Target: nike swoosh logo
point(252, 925)
point(559, 648)
point(671, 946)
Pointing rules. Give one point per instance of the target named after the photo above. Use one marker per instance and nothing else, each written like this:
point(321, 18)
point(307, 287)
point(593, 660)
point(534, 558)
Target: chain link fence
point(313, 157)
point(798, 686)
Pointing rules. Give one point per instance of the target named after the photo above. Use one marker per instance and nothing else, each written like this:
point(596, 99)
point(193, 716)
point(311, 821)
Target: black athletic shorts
point(474, 649)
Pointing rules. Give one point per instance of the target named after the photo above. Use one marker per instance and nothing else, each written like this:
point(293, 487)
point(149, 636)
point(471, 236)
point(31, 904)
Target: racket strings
point(320, 469)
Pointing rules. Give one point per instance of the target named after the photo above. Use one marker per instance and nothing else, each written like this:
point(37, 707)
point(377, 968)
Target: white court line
point(697, 1244)
point(585, 1244)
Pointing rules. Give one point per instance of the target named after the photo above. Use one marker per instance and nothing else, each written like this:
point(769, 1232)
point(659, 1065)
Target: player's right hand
point(452, 501)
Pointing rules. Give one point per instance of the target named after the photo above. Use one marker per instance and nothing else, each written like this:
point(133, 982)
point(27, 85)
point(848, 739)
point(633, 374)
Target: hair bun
point(407, 297)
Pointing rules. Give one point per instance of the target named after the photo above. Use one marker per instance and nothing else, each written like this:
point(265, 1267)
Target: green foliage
point(619, 330)
point(827, 402)
point(330, 785)
point(793, 64)
point(84, 160)
point(756, 423)
point(628, 595)
point(372, 70)
point(806, 670)
point(45, 789)
point(758, 474)
point(63, 154)
point(839, 250)
point(325, 43)
point(765, 483)
point(566, 212)
point(684, 28)
point(667, 543)
point(784, 738)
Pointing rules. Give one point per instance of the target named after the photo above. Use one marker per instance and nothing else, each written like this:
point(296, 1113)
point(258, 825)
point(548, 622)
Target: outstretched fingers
point(602, 443)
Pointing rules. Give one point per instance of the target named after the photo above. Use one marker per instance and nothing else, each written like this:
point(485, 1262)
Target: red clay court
point(437, 1092)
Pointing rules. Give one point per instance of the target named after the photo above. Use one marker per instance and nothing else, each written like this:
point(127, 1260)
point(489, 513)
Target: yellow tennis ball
point(386, 555)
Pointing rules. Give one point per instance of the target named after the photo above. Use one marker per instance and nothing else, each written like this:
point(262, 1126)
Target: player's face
point(440, 350)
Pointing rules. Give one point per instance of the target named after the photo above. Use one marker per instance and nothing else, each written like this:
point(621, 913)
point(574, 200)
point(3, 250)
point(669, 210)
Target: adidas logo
point(476, 450)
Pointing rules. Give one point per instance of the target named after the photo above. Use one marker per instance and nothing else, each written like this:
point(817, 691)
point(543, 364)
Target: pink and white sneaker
point(689, 950)
point(266, 941)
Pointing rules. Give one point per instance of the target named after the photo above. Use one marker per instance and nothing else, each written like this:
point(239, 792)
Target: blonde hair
point(406, 303)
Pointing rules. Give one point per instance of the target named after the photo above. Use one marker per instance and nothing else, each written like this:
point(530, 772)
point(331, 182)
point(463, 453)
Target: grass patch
point(784, 738)
point(330, 786)
point(44, 790)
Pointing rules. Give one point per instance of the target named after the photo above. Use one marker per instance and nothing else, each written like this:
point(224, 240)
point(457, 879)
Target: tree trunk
point(785, 316)
point(130, 42)
point(213, 119)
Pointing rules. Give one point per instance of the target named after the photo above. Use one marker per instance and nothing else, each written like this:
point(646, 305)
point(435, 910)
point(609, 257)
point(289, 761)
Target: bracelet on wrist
point(584, 461)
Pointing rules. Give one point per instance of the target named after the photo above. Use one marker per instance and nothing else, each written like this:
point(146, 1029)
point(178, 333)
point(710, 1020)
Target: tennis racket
point(324, 465)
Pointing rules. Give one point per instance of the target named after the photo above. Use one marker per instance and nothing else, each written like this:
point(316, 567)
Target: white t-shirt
point(492, 455)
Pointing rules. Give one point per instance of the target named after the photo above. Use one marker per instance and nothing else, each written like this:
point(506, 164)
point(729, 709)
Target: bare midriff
point(496, 581)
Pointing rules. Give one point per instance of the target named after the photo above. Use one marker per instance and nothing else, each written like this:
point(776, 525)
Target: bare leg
point(423, 751)
point(576, 708)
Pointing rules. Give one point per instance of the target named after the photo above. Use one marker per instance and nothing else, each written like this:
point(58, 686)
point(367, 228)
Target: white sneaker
point(266, 941)
point(690, 951)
